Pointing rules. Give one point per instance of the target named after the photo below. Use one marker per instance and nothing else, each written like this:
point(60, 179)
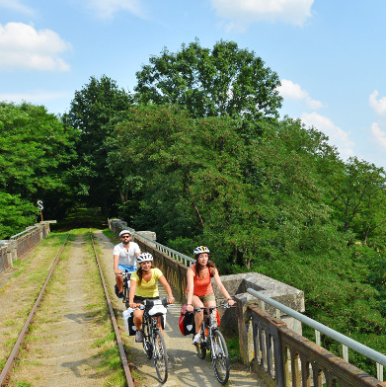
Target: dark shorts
point(140, 300)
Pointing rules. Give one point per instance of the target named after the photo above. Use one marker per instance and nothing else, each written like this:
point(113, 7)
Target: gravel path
point(61, 348)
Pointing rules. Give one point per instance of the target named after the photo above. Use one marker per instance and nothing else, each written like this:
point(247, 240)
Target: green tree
point(15, 214)
point(35, 152)
point(91, 110)
point(211, 82)
point(361, 200)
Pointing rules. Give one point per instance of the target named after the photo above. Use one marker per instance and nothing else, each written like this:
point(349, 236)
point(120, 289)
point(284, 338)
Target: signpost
point(41, 207)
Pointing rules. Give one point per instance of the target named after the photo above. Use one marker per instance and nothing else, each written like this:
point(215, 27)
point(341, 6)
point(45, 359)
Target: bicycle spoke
point(219, 355)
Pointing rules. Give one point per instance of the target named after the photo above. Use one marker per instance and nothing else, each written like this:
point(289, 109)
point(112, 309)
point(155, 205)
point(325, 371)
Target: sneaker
point(138, 337)
point(197, 339)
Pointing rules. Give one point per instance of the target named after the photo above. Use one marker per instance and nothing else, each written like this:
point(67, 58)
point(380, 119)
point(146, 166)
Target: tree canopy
point(35, 152)
point(224, 80)
point(91, 110)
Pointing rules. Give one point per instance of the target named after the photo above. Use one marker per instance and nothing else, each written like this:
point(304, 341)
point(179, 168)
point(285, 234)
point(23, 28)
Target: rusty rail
point(11, 359)
point(125, 364)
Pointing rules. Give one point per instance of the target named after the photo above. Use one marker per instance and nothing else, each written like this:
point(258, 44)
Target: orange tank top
point(202, 286)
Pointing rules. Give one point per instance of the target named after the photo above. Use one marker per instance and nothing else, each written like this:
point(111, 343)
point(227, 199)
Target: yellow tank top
point(150, 288)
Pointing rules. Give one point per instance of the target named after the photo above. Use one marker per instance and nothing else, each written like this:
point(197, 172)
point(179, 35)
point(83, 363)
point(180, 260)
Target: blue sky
point(328, 54)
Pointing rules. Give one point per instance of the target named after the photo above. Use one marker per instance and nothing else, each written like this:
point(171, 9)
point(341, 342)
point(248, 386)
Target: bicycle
point(153, 341)
point(126, 287)
point(214, 341)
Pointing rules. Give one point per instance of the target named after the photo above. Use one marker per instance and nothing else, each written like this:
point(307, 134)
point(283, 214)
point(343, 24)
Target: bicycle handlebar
point(222, 305)
point(150, 303)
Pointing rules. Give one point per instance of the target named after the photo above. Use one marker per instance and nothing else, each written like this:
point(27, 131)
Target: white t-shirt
point(127, 257)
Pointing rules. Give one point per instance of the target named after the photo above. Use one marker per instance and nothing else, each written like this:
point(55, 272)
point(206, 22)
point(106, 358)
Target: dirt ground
point(62, 347)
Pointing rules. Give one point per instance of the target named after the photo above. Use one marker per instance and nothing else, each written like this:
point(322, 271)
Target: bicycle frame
point(153, 342)
point(217, 345)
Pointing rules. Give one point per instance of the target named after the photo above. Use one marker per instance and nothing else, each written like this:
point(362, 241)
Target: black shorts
point(140, 300)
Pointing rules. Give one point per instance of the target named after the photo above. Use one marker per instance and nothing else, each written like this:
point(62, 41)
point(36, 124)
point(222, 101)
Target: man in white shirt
point(125, 259)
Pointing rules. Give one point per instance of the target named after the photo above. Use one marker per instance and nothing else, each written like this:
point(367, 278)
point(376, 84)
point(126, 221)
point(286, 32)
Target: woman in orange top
point(200, 290)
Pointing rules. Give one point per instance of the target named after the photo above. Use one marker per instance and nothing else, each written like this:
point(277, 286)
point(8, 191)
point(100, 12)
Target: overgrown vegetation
point(198, 155)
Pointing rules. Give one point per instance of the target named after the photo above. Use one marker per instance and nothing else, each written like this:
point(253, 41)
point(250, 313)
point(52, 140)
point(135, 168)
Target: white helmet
point(144, 257)
point(200, 250)
point(123, 232)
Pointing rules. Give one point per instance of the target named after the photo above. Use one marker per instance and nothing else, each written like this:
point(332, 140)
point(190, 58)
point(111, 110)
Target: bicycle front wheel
point(219, 356)
point(147, 346)
point(160, 357)
point(126, 296)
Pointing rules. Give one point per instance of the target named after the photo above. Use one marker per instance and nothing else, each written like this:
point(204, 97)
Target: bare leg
point(198, 316)
point(119, 281)
point(138, 315)
point(212, 303)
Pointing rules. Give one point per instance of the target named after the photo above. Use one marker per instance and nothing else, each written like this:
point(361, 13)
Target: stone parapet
point(237, 321)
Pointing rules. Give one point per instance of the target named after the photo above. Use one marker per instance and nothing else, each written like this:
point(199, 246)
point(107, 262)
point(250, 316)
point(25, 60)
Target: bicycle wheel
point(160, 357)
point(201, 347)
point(147, 346)
point(126, 296)
point(219, 356)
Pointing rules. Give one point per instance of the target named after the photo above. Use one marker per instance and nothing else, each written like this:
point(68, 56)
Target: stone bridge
point(268, 321)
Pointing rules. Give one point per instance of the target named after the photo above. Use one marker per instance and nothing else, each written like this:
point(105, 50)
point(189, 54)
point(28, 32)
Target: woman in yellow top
point(144, 286)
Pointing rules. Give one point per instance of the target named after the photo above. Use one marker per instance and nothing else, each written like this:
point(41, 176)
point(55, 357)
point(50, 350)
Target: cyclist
point(125, 254)
point(144, 286)
point(199, 289)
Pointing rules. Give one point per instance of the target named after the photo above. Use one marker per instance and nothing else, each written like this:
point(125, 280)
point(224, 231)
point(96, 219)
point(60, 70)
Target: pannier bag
point(186, 322)
point(128, 318)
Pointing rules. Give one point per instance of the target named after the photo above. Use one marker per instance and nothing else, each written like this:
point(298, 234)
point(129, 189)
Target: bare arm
point(167, 288)
point(190, 281)
point(116, 262)
point(222, 289)
point(133, 287)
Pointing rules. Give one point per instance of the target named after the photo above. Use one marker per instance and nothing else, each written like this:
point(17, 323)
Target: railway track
point(70, 335)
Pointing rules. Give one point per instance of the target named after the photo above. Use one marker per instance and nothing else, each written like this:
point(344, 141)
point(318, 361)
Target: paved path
point(185, 368)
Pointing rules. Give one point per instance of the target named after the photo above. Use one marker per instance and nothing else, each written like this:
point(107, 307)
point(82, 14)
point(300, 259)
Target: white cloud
point(337, 136)
point(291, 90)
point(35, 97)
point(379, 135)
point(378, 105)
point(244, 12)
point(16, 5)
point(23, 47)
point(106, 9)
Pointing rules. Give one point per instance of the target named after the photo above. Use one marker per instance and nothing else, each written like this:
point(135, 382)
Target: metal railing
point(346, 342)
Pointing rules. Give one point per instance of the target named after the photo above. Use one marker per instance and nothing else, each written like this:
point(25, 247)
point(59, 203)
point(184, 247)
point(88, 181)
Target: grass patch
point(233, 346)
point(100, 342)
point(112, 236)
point(23, 384)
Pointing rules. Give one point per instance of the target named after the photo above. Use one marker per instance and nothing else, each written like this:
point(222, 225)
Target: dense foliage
point(35, 152)
point(225, 80)
point(193, 160)
point(91, 110)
